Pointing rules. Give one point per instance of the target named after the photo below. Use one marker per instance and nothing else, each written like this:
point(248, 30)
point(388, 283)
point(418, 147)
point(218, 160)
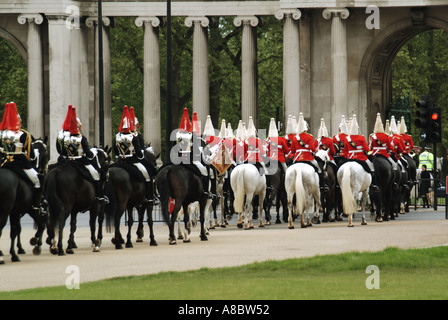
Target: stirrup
point(103, 200)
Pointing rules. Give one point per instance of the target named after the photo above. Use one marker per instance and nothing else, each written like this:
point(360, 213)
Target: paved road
point(225, 247)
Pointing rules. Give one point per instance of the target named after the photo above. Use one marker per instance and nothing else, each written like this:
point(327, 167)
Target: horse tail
point(111, 207)
point(163, 186)
point(237, 182)
point(300, 192)
point(348, 200)
point(55, 205)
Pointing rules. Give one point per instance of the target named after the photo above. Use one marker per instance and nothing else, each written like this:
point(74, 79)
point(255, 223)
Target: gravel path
point(225, 247)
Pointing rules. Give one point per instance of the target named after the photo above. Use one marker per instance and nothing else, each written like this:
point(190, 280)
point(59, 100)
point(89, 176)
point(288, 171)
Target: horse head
point(322, 158)
point(103, 159)
point(42, 155)
point(151, 159)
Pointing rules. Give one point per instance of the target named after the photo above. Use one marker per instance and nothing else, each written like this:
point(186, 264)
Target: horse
point(175, 181)
point(328, 197)
point(16, 197)
point(382, 199)
point(302, 181)
point(275, 181)
point(353, 180)
point(68, 192)
point(125, 194)
point(410, 181)
point(246, 182)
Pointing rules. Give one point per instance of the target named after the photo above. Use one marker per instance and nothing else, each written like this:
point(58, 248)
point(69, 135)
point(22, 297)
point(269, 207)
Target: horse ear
point(45, 139)
point(157, 156)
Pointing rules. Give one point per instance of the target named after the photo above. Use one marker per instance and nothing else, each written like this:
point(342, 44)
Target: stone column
point(59, 83)
point(291, 62)
point(249, 96)
point(339, 79)
point(201, 87)
point(36, 118)
point(151, 82)
point(92, 22)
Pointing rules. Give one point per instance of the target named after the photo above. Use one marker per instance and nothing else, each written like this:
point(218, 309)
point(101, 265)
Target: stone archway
point(375, 89)
point(16, 43)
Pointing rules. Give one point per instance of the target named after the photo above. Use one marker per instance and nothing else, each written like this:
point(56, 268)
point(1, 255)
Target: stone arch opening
point(375, 72)
point(13, 73)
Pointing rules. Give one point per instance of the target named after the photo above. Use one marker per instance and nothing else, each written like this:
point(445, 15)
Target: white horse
point(353, 179)
point(246, 182)
point(302, 180)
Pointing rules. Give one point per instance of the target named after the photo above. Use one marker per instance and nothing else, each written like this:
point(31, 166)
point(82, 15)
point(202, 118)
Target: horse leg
point(99, 239)
point(61, 224)
point(364, 208)
point(94, 214)
point(187, 225)
point(140, 229)
point(14, 221)
point(149, 208)
point(20, 249)
point(248, 213)
point(260, 212)
point(117, 240)
point(71, 239)
point(130, 224)
point(290, 211)
point(202, 205)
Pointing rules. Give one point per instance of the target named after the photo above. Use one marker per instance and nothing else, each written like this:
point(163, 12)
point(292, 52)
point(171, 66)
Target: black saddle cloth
point(131, 169)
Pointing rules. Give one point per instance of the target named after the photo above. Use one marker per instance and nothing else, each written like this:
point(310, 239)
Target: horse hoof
point(351, 226)
point(37, 250)
point(172, 242)
point(223, 226)
point(15, 259)
point(70, 251)
point(2, 261)
point(204, 238)
point(363, 223)
point(139, 240)
point(303, 226)
point(153, 243)
point(54, 251)
point(129, 245)
point(240, 226)
point(96, 249)
point(33, 241)
point(21, 251)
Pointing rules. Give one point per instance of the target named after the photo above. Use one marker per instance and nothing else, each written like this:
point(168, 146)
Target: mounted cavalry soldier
point(188, 151)
point(18, 152)
point(254, 151)
point(324, 142)
point(303, 149)
point(396, 143)
point(74, 147)
point(357, 150)
point(290, 131)
point(129, 149)
point(277, 147)
point(340, 141)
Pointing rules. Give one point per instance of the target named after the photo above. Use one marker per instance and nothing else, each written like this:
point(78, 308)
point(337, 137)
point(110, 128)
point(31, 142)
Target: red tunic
point(253, 150)
point(325, 143)
point(289, 138)
point(408, 143)
point(278, 148)
point(303, 147)
point(397, 145)
point(341, 140)
point(379, 143)
point(357, 147)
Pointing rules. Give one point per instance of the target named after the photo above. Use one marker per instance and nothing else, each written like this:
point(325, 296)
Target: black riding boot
point(37, 203)
point(100, 193)
point(373, 185)
point(322, 185)
point(205, 187)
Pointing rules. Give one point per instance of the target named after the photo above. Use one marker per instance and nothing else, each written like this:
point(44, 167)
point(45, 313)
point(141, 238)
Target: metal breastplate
point(11, 142)
point(73, 146)
point(125, 145)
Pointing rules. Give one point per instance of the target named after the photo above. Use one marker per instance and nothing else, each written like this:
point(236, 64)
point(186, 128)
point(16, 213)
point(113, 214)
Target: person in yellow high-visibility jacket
point(426, 158)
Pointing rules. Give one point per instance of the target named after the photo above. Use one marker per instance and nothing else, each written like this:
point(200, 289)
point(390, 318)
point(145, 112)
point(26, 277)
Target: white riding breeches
point(201, 167)
point(95, 175)
point(143, 170)
point(32, 175)
point(370, 164)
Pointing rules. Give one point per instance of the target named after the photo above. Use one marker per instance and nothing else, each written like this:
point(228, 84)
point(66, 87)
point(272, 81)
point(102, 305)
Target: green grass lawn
point(404, 274)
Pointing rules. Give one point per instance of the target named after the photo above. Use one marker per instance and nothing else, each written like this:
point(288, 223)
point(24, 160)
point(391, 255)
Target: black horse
point(411, 180)
point(69, 192)
point(184, 187)
point(16, 198)
point(382, 199)
point(126, 193)
point(275, 183)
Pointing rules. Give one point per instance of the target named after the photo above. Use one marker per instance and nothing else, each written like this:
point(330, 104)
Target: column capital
point(93, 21)
point(36, 18)
point(245, 20)
point(296, 14)
point(205, 22)
point(330, 12)
point(140, 21)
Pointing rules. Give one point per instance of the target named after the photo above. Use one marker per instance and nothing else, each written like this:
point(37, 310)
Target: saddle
point(131, 169)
